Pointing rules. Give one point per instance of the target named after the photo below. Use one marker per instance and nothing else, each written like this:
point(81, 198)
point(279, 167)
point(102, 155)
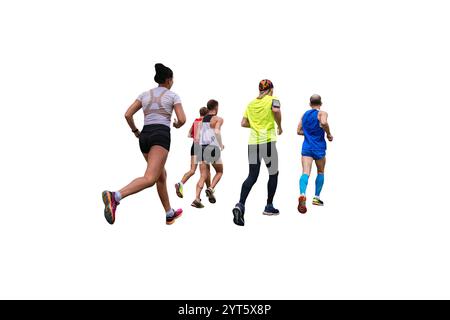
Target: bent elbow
point(128, 116)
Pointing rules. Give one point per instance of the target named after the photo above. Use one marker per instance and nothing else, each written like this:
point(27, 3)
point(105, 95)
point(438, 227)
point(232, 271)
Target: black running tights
point(269, 153)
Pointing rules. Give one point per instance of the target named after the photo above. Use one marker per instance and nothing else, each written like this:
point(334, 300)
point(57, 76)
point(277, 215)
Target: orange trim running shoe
point(302, 204)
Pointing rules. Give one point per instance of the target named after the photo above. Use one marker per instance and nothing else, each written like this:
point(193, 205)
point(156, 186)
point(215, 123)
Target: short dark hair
point(203, 111)
point(315, 100)
point(162, 73)
point(212, 104)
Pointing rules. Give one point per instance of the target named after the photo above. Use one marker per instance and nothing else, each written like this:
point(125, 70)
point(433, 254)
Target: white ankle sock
point(117, 196)
point(170, 213)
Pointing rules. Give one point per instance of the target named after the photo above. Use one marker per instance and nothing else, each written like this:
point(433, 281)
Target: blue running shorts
point(315, 154)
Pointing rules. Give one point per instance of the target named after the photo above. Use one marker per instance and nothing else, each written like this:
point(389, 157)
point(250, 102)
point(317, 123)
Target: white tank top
point(207, 134)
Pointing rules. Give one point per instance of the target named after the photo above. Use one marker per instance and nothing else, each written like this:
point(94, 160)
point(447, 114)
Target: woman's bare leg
point(208, 180)
point(156, 160)
point(204, 171)
point(191, 172)
point(161, 186)
point(218, 167)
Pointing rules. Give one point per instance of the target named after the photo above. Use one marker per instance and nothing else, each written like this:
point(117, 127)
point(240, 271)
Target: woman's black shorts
point(196, 149)
point(154, 135)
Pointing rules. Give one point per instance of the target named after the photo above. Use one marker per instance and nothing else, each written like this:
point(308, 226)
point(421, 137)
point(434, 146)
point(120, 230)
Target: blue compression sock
point(319, 183)
point(303, 183)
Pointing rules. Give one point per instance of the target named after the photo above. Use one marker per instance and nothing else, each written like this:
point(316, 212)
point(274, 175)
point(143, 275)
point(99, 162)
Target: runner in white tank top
point(211, 144)
point(195, 154)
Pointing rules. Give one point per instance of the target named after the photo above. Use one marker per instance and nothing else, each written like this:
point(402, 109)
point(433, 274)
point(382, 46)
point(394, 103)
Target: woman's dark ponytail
point(162, 73)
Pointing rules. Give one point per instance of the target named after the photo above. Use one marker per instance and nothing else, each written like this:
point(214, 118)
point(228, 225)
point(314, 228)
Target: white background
point(69, 70)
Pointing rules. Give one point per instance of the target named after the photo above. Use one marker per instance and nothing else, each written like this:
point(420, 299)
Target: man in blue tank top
point(313, 126)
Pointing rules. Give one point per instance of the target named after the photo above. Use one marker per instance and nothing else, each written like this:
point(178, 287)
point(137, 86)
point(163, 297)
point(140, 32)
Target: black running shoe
point(269, 210)
point(210, 194)
point(238, 213)
point(197, 204)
